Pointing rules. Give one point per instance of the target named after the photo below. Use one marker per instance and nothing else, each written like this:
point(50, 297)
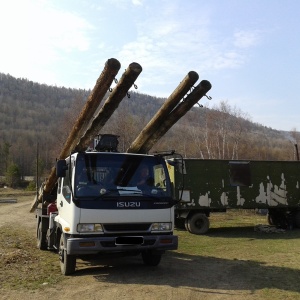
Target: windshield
point(114, 174)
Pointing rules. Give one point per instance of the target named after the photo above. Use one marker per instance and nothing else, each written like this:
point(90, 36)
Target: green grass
point(232, 235)
point(268, 262)
point(22, 265)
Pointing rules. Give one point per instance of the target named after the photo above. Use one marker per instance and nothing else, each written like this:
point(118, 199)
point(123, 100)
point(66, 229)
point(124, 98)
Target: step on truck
point(107, 202)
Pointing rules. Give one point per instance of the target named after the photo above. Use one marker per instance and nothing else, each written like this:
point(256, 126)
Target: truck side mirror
point(179, 163)
point(61, 168)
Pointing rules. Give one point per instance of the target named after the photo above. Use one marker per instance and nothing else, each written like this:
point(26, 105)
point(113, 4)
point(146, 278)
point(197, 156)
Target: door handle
point(61, 203)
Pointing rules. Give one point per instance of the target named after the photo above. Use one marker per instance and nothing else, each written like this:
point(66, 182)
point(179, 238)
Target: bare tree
point(124, 124)
point(295, 138)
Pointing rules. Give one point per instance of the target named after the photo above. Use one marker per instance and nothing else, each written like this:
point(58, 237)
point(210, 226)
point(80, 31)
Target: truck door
point(65, 204)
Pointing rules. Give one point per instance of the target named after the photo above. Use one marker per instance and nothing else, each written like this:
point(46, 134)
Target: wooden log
point(173, 100)
point(111, 69)
point(110, 105)
point(179, 111)
point(103, 83)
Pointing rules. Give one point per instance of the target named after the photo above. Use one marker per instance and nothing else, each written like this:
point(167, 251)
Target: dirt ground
point(177, 277)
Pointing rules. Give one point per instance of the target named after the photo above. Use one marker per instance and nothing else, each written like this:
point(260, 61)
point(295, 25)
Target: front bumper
point(95, 245)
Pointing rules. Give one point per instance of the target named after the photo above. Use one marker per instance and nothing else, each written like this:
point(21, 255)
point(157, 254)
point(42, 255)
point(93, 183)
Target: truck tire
point(198, 223)
point(67, 262)
point(41, 238)
point(151, 259)
point(278, 219)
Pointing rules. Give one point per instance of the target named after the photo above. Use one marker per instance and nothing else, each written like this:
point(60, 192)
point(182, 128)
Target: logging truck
point(105, 203)
point(205, 186)
point(95, 202)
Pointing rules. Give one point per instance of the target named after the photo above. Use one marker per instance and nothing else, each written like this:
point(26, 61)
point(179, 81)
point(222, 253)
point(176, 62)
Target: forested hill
point(29, 106)
point(34, 107)
point(34, 113)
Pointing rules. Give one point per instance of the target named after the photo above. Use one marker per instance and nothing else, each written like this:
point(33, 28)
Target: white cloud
point(172, 46)
point(246, 39)
point(37, 35)
point(227, 60)
point(137, 2)
point(168, 42)
point(124, 4)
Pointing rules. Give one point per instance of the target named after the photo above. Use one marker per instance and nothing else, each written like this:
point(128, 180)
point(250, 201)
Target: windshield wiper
point(117, 192)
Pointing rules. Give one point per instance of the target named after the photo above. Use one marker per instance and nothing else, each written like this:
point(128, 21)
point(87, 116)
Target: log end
point(135, 67)
point(113, 63)
point(205, 84)
point(193, 76)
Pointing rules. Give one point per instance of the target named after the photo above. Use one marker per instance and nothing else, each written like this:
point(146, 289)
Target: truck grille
point(127, 227)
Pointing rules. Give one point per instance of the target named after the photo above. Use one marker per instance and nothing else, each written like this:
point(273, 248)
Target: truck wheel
point(151, 259)
point(67, 262)
point(41, 238)
point(198, 223)
point(278, 219)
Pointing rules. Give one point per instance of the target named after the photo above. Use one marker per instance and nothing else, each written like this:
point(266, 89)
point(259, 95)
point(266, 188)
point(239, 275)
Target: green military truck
point(203, 186)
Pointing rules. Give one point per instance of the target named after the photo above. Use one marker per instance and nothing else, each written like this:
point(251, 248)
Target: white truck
point(100, 206)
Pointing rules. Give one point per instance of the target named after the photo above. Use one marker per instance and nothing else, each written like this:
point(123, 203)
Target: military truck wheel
point(151, 259)
point(297, 219)
point(278, 219)
point(67, 262)
point(41, 238)
point(198, 223)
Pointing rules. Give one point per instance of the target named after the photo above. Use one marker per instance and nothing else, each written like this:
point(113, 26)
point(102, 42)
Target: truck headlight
point(89, 228)
point(161, 227)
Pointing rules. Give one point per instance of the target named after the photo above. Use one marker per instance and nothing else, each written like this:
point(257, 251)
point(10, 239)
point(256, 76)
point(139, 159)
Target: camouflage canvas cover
point(218, 184)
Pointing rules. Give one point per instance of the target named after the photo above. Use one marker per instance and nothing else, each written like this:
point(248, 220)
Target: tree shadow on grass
point(249, 232)
point(252, 232)
point(195, 272)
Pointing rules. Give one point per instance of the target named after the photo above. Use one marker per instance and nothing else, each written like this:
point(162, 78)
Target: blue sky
point(248, 50)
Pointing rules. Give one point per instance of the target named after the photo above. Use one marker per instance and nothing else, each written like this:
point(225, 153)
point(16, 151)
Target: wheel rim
point(199, 224)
